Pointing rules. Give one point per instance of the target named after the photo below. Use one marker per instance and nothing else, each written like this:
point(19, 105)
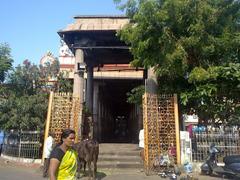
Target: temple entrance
point(109, 76)
point(119, 120)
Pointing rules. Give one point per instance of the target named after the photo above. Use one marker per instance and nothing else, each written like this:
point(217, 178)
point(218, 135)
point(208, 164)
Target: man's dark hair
point(51, 134)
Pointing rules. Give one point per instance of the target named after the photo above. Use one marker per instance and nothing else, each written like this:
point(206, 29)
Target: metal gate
point(161, 129)
point(63, 112)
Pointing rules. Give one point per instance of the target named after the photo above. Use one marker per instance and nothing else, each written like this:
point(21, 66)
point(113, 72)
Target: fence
point(226, 140)
point(25, 144)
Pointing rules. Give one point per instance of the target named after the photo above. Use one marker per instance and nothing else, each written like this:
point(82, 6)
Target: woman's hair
point(66, 133)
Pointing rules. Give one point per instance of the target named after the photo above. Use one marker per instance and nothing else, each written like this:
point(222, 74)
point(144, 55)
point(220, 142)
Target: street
point(10, 170)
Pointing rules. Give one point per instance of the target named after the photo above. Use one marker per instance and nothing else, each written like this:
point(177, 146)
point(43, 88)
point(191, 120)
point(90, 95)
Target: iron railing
point(227, 140)
point(24, 144)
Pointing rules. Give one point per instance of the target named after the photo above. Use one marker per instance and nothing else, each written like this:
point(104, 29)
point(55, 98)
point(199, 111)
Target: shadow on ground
point(99, 175)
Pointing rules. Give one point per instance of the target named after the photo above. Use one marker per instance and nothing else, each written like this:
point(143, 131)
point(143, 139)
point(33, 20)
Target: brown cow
point(88, 151)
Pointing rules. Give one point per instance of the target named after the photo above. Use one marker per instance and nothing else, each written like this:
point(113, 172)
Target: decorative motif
point(64, 50)
point(47, 59)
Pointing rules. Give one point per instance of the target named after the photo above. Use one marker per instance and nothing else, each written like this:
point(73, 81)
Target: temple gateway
point(102, 76)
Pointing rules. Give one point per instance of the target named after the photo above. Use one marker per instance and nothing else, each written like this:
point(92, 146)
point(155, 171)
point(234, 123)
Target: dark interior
point(119, 119)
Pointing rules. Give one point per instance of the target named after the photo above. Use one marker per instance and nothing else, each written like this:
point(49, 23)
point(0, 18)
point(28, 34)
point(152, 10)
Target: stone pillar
point(96, 120)
point(89, 92)
point(78, 85)
point(151, 82)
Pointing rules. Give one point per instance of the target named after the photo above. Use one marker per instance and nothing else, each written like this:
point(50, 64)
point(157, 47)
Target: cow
point(88, 151)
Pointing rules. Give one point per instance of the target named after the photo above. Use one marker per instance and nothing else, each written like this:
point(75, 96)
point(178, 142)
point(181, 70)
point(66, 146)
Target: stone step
point(130, 149)
point(118, 164)
point(119, 156)
point(116, 153)
point(122, 158)
point(117, 146)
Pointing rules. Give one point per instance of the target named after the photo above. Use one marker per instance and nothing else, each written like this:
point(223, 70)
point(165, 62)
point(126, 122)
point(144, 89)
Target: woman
point(63, 159)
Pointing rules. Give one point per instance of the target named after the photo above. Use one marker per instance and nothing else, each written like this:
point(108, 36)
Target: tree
point(24, 95)
point(5, 61)
point(215, 93)
point(135, 95)
point(27, 112)
point(64, 84)
point(188, 42)
point(25, 79)
point(52, 72)
point(24, 105)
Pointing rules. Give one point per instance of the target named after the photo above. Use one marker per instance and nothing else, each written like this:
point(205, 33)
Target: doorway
point(119, 120)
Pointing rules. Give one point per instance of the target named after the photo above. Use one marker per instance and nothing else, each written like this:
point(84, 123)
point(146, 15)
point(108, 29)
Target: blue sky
point(30, 26)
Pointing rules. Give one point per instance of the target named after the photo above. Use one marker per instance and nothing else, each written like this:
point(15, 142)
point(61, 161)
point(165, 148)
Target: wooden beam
point(101, 47)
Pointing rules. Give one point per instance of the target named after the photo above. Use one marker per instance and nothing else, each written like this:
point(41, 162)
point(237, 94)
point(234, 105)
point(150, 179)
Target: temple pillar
point(78, 85)
point(89, 92)
point(97, 123)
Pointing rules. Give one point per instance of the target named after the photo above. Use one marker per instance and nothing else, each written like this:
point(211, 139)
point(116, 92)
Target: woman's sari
point(68, 166)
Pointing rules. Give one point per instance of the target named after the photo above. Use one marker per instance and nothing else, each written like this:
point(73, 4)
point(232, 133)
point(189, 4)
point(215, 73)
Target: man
point(46, 153)
point(141, 143)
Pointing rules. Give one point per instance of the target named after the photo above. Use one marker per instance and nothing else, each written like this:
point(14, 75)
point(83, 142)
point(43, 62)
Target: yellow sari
point(68, 166)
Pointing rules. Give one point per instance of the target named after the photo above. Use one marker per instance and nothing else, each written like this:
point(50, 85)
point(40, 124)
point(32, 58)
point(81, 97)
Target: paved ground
point(18, 171)
point(10, 170)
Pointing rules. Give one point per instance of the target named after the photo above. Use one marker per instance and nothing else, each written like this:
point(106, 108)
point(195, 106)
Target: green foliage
point(25, 112)
point(24, 95)
point(130, 6)
point(5, 61)
point(25, 79)
point(64, 84)
point(198, 74)
point(177, 35)
point(216, 92)
point(193, 46)
point(135, 96)
point(23, 104)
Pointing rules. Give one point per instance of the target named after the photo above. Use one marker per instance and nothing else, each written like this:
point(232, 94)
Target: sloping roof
point(100, 16)
point(96, 22)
